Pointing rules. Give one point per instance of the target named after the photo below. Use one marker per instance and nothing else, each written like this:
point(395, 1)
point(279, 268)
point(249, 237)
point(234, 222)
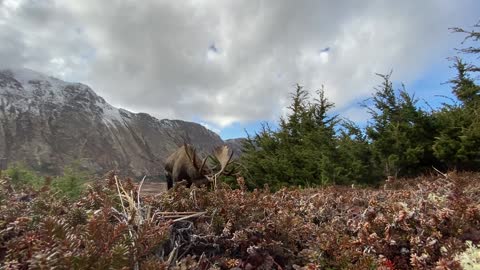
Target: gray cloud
point(43, 36)
point(157, 56)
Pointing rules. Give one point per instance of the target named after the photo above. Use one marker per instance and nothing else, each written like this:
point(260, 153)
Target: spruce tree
point(356, 155)
point(302, 152)
point(401, 134)
point(458, 142)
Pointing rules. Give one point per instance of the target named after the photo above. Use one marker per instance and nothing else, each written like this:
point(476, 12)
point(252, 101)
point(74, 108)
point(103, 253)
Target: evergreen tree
point(401, 134)
point(312, 148)
point(458, 143)
point(471, 35)
point(303, 151)
point(463, 86)
point(356, 155)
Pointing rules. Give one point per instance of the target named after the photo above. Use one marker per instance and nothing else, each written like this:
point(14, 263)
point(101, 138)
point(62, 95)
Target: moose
point(185, 167)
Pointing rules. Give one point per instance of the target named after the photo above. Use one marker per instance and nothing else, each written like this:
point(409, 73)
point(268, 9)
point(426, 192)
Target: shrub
point(421, 223)
point(20, 175)
point(71, 184)
point(470, 259)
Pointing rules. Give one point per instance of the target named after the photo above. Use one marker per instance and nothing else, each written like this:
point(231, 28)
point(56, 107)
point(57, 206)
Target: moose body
point(185, 165)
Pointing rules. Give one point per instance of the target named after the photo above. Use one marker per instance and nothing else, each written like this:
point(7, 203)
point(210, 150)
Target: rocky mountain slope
point(47, 123)
point(236, 145)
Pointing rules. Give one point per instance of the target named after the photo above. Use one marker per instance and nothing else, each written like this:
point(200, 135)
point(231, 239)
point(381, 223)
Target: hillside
point(236, 145)
point(47, 123)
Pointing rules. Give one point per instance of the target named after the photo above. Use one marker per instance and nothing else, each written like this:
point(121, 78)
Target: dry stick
point(118, 213)
point(443, 174)
point(131, 200)
point(173, 254)
point(169, 215)
point(194, 197)
point(186, 213)
point(120, 195)
point(174, 213)
point(139, 189)
point(278, 265)
point(136, 267)
point(174, 217)
point(190, 216)
point(179, 215)
point(123, 190)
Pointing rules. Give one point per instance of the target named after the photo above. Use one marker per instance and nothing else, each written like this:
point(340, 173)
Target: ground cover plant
point(422, 223)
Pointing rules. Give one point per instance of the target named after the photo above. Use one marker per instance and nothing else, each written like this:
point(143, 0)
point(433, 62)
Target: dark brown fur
point(184, 164)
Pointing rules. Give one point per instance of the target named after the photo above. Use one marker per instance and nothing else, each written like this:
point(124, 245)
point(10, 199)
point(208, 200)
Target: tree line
point(312, 147)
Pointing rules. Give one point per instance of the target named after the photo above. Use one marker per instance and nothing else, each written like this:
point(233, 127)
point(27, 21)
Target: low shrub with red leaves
point(420, 223)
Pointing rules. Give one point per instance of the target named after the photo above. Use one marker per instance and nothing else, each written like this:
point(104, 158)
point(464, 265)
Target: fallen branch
point(190, 216)
point(139, 189)
point(443, 174)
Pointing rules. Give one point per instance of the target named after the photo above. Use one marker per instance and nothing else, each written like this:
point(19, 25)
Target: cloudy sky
point(231, 64)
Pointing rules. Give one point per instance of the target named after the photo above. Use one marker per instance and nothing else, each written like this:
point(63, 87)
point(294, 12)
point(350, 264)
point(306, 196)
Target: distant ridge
point(47, 123)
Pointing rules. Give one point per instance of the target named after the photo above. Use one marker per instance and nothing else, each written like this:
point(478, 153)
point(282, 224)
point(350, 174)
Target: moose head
point(184, 166)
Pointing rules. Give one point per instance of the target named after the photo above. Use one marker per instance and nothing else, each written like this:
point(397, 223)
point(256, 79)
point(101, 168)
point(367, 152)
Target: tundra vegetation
point(419, 218)
point(417, 223)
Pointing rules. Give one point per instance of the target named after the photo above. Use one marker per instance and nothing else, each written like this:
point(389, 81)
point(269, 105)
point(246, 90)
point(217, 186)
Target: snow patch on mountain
point(48, 123)
point(25, 88)
point(24, 76)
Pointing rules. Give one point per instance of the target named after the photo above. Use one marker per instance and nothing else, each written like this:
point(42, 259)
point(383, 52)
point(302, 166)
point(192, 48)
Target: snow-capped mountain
point(47, 123)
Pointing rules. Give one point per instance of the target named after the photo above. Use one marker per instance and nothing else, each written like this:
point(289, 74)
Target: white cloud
point(228, 61)
point(356, 114)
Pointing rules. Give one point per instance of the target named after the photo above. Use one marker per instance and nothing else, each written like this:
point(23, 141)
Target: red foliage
point(421, 224)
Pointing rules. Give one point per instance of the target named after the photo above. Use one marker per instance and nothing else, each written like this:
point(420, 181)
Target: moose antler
point(193, 158)
point(203, 164)
point(224, 156)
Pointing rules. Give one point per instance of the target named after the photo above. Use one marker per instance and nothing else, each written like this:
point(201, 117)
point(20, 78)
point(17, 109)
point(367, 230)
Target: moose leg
point(168, 176)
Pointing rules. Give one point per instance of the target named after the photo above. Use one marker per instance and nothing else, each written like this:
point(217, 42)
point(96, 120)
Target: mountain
point(236, 145)
point(47, 123)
